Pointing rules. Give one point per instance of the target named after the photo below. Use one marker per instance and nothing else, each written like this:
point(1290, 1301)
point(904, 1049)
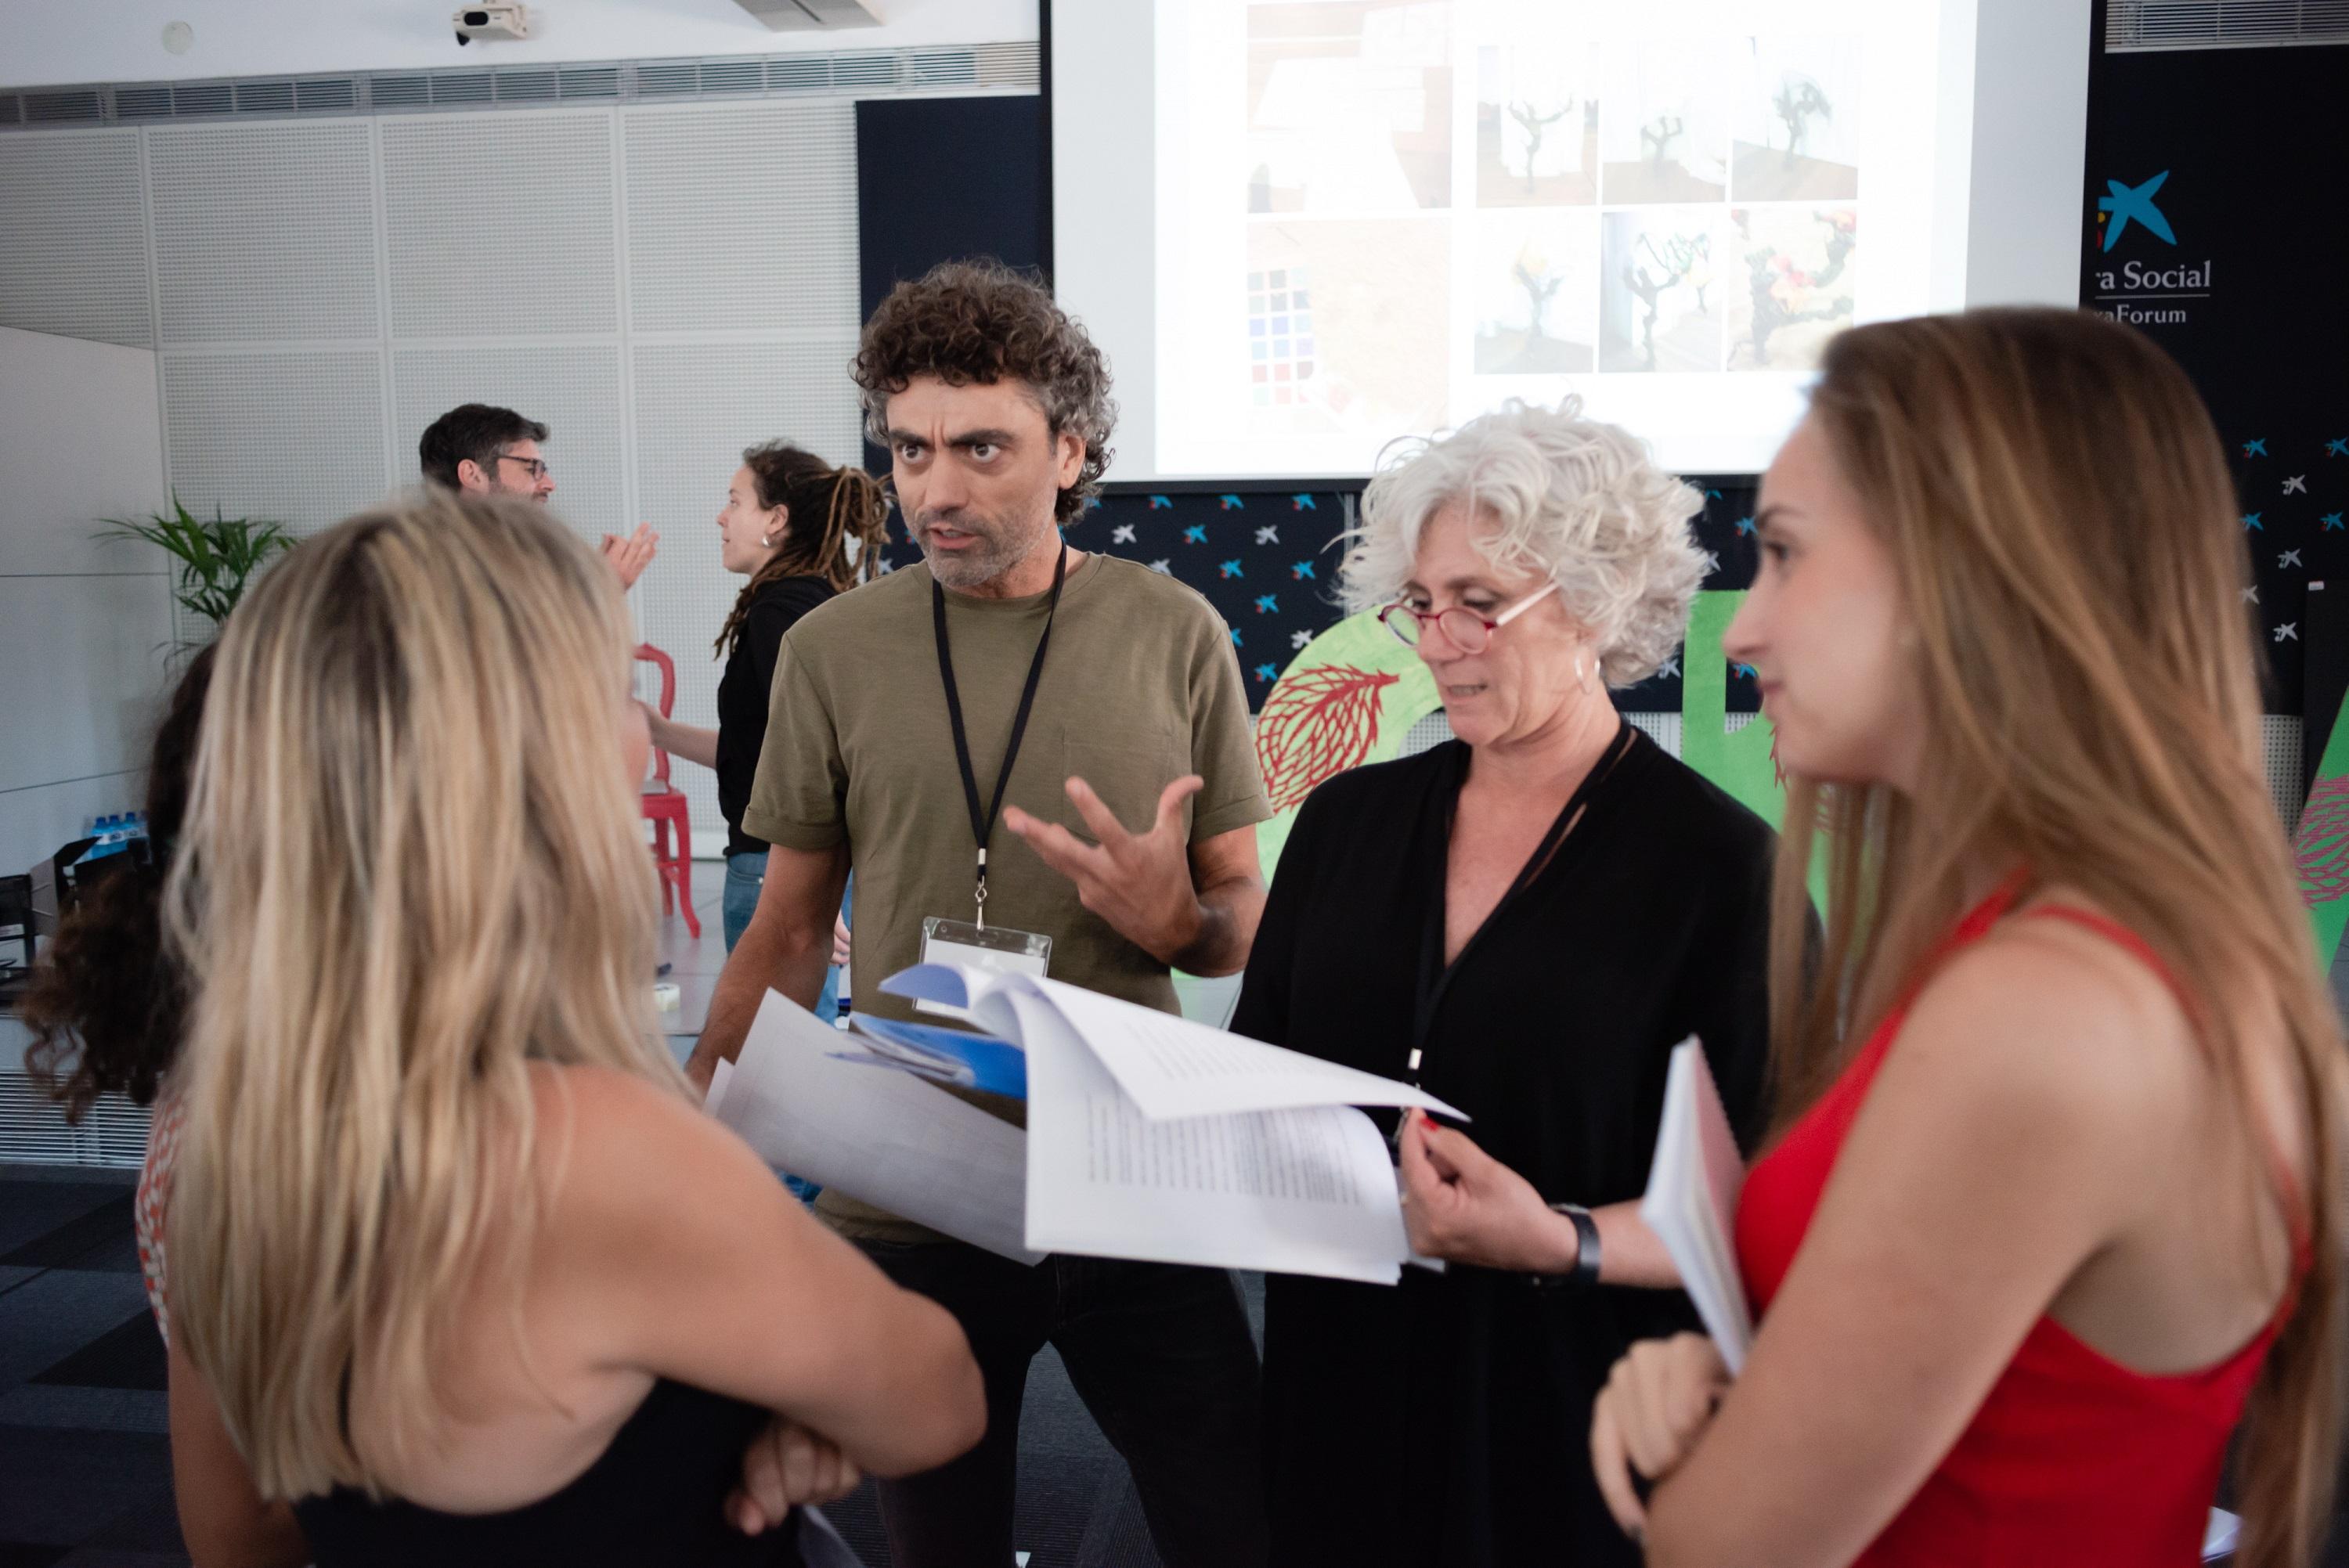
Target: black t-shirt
point(1446, 1420)
point(743, 693)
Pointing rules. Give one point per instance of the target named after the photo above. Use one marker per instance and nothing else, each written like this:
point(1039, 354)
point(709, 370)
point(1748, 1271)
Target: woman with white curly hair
point(1526, 920)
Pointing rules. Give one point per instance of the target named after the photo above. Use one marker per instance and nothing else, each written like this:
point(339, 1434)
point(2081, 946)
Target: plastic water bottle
point(113, 835)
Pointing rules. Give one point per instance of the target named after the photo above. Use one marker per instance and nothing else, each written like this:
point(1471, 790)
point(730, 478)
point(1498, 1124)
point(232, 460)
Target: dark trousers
point(1161, 1356)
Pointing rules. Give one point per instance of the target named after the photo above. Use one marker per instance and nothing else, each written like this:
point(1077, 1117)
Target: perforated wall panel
point(296, 435)
point(264, 232)
point(574, 391)
point(741, 216)
point(2284, 735)
point(501, 224)
point(73, 237)
point(697, 409)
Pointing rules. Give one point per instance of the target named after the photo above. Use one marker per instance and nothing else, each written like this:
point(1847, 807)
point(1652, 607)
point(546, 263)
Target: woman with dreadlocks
point(800, 531)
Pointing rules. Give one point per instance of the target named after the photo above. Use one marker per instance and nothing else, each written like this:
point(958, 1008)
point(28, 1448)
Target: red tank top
point(2072, 1458)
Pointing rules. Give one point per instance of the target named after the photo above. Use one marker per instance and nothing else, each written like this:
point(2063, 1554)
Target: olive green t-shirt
point(1139, 687)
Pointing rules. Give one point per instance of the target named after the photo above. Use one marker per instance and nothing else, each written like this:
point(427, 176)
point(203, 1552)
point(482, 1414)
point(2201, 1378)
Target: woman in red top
point(2055, 1193)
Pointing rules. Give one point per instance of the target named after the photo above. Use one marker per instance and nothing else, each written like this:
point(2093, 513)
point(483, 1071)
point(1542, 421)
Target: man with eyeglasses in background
point(483, 450)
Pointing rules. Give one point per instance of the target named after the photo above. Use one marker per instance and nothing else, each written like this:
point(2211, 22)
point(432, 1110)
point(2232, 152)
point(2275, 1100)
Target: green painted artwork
point(1743, 763)
point(1349, 697)
point(2320, 845)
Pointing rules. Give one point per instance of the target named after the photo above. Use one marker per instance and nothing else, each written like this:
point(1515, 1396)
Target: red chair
point(665, 806)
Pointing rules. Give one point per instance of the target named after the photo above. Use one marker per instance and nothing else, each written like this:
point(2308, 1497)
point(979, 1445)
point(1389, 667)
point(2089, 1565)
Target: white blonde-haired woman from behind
point(461, 1269)
point(1526, 920)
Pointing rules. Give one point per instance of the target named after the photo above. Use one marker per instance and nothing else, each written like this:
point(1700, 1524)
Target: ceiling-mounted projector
point(491, 22)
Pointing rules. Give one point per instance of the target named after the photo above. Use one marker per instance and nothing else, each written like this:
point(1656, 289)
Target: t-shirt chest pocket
point(1128, 764)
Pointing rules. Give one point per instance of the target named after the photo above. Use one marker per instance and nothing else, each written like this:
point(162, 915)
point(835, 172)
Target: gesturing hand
point(1139, 882)
point(1462, 1205)
point(629, 557)
point(785, 1465)
point(1656, 1403)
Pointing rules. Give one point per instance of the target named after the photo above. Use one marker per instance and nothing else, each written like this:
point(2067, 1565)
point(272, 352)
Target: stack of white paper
point(1692, 1201)
point(885, 1136)
point(1148, 1135)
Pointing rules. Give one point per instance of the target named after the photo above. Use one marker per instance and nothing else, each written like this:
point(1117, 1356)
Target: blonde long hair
point(2059, 510)
point(412, 868)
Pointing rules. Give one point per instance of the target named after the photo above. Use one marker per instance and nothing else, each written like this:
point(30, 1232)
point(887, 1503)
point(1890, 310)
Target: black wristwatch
point(1584, 1272)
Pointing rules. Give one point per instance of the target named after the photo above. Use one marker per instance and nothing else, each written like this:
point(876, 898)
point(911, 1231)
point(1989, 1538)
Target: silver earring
point(1581, 675)
point(766, 542)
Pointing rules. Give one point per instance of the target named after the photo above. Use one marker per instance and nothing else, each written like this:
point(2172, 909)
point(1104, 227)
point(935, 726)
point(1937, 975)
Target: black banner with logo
point(2217, 226)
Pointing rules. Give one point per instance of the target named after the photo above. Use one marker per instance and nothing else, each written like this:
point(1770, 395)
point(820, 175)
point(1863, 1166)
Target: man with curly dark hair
point(1095, 708)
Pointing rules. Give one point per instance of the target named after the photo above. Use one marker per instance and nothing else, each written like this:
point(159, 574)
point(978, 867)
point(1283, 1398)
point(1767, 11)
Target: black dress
point(655, 1497)
point(1446, 1420)
point(742, 693)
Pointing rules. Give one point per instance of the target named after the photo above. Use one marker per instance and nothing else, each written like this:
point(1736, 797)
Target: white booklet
point(1692, 1201)
point(887, 1137)
point(1148, 1135)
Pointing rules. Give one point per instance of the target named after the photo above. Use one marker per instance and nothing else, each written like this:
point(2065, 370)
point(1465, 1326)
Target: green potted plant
point(217, 556)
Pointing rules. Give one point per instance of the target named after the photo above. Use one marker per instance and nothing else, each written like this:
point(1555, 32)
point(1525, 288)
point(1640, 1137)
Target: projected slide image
point(1795, 286)
point(1537, 125)
point(1798, 123)
point(1349, 106)
point(1536, 293)
point(1661, 282)
point(1664, 125)
point(1358, 343)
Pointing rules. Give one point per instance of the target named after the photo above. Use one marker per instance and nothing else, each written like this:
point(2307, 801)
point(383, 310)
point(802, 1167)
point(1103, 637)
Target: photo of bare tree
point(1664, 134)
point(1660, 300)
point(1798, 121)
point(1537, 292)
point(1537, 121)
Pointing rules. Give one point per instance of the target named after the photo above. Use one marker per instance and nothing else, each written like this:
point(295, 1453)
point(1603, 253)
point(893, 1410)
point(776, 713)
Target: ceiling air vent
point(142, 103)
point(264, 98)
point(938, 68)
point(668, 78)
point(463, 87)
point(2134, 25)
point(525, 86)
point(64, 108)
point(864, 70)
point(324, 94)
point(398, 92)
point(589, 82)
point(203, 98)
point(746, 76)
point(944, 67)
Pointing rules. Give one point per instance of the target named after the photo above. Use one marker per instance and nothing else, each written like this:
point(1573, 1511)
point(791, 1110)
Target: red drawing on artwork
point(1317, 723)
point(2321, 847)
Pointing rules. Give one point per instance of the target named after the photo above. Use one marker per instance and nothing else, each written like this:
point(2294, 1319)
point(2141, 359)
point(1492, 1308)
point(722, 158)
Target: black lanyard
point(1435, 974)
point(982, 825)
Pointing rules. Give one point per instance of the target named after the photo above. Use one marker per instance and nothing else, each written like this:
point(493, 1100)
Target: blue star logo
point(1230, 568)
point(1745, 525)
point(1264, 672)
point(1162, 503)
point(1748, 671)
point(1236, 637)
point(2257, 448)
point(1301, 501)
point(1231, 503)
point(1196, 534)
point(1266, 605)
point(2252, 524)
point(2332, 521)
point(2134, 204)
point(1303, 571)
point(2338, 448)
